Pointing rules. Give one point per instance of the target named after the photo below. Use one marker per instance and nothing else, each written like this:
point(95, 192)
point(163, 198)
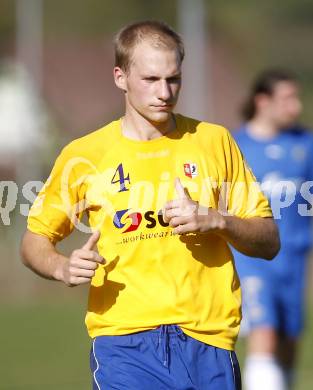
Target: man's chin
point(160, 117)
point(287, 124)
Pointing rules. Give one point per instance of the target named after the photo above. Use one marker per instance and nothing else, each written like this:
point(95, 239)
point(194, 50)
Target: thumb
point(92, 241)
point(180, 190)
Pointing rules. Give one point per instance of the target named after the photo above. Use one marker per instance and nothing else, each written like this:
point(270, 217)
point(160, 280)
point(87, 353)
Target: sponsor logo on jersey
point(135, 219)
point(274, 152)
point(190, 170)
point(123, 217)
point(298, 153)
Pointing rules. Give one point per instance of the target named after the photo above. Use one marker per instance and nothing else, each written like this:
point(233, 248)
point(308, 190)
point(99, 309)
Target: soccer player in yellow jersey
point(165, 196)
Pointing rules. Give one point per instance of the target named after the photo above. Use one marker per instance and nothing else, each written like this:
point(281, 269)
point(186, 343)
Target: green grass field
point(46, 346)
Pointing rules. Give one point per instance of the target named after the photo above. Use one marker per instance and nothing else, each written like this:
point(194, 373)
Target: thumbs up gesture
point(83, 262)
point(187, 216)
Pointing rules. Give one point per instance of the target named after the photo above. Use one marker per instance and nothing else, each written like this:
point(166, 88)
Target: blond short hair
point(159, 34)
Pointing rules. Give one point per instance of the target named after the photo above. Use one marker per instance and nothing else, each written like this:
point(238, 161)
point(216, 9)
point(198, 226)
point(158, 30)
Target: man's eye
point(174, 79)
point(151, 79)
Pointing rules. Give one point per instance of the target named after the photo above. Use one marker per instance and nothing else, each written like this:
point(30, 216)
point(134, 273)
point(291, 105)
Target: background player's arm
point(40, 255)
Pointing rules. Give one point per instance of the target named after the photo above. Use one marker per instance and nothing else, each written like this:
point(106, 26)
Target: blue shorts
point(273, 294)
point(161, 359)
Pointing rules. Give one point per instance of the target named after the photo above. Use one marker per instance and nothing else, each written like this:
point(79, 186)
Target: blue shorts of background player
point(161, 359)
point(273, 293)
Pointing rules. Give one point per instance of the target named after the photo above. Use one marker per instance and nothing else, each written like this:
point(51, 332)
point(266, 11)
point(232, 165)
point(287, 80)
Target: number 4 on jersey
point(119, 177)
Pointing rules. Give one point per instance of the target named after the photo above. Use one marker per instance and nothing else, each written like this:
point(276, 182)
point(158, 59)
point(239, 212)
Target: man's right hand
point(82, 264)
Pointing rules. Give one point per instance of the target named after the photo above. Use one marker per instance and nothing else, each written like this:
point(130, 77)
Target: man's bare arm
point(255, 237)
point(40, 255)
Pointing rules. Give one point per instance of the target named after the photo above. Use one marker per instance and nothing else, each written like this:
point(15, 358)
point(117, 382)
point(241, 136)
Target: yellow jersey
point(151, 276)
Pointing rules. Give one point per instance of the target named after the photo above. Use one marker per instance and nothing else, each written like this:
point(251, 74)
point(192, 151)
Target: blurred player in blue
point(280, 153)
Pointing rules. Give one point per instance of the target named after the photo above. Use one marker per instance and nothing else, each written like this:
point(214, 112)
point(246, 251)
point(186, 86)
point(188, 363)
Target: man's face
point(153, 82)
point(284, 105)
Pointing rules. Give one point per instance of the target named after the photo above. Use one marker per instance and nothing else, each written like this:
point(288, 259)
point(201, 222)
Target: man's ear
point(120, 78)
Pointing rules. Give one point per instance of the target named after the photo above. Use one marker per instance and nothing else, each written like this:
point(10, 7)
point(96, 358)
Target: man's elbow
point(29, 247)
point(23, 250)
point(273, 245)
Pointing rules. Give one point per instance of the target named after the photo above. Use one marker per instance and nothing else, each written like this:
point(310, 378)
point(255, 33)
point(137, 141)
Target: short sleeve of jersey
point(244, 196)
point(59, 204)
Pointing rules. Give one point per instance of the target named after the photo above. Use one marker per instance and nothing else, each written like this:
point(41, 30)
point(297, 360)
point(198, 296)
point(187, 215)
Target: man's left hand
point(187, 216)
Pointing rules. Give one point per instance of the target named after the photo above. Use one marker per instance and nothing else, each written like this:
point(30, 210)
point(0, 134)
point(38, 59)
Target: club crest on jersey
point(191, 170)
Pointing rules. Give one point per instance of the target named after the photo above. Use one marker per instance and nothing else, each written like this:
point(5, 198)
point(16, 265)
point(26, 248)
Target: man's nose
point(164, 91)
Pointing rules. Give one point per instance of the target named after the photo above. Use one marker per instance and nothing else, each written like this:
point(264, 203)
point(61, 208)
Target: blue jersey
point(284, 168)
point(273, 291)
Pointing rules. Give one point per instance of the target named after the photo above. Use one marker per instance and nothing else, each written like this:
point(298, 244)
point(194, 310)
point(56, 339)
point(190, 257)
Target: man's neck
point(262, 129)
point(139, 128)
